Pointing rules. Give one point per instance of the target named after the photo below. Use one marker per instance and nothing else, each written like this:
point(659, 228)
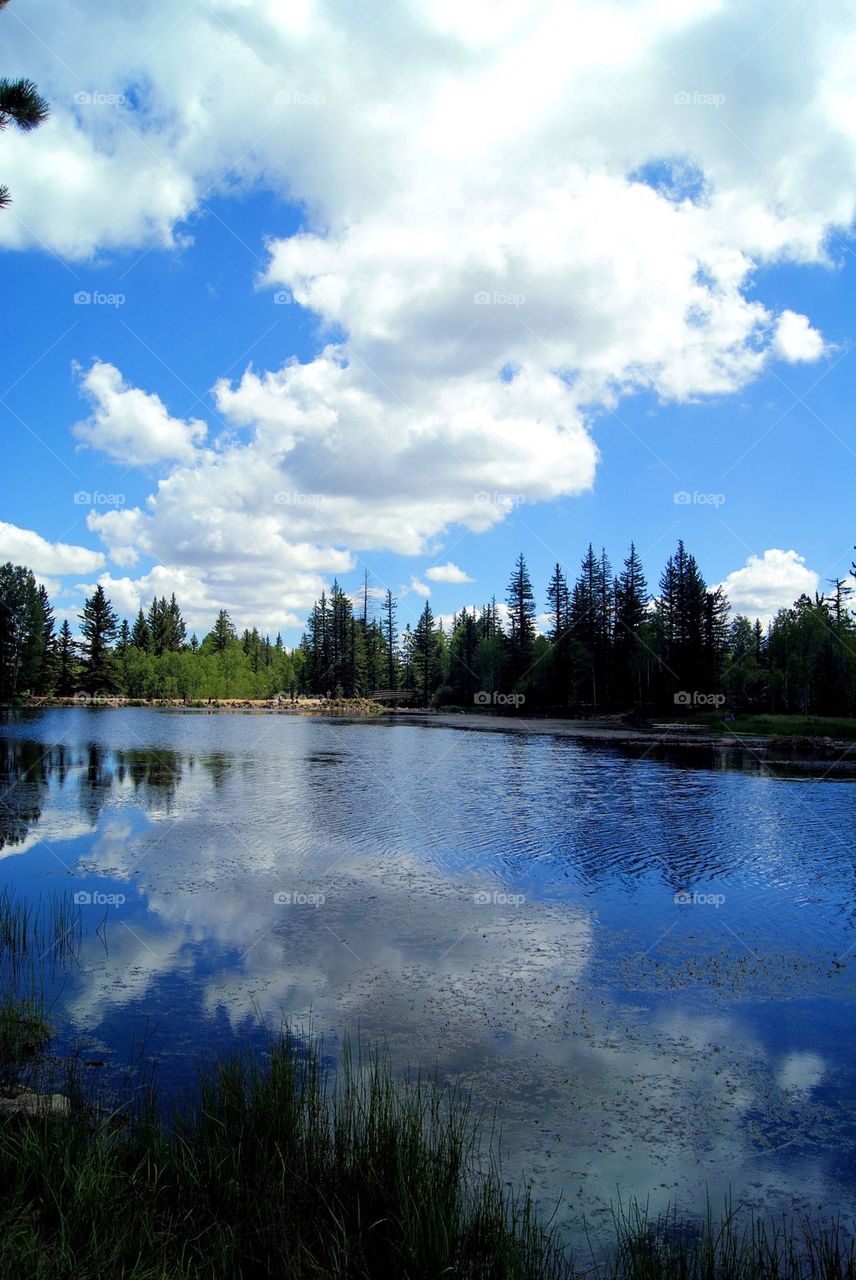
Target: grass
point(34, 939)
point(270, 1170)
point(47, 932)
point(739, 1247)
point(841, 727)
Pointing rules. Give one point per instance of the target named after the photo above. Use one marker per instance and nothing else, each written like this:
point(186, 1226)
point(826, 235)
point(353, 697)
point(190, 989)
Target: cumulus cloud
point(796, 341)
point(504, 231)
point(768, 583)
point(131, 426)
point(447, 572)
point(419, 588)
point(24, 546)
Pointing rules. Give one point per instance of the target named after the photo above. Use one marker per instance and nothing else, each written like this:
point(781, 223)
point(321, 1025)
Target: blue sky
point(467, 294)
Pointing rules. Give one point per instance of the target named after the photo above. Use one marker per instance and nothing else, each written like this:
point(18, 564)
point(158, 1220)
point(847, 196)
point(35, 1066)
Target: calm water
point(500, 907)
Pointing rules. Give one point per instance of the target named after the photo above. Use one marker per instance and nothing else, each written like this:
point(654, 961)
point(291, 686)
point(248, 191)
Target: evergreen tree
point(464, 676)
point(98, 628)
point(521, 616)
point(46, 676)
point(589, 623)
point(559, 613)
point(631, 650)
point(21, 630)
point(123, 643)
point(223, 633)
point(66, 662)
point(391, 635)
point(21, 104)
point(140, 634)
point(424, 655)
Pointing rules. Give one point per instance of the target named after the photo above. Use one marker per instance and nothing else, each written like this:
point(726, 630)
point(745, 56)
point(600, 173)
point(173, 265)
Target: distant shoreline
point(698, 737)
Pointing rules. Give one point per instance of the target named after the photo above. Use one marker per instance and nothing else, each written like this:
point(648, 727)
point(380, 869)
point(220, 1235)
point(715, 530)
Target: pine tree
point(46, 676)
point(66, 662)
point(590, 615)
point(21, 630)
point(391, 637)
point(559, 613)
point(98, 628)
point(521, 614)
point(223, 633)
point(463, 670)
point(123, 643)
point(424, 655)
point(631, 608)
point(20, 104)
point(140, 635)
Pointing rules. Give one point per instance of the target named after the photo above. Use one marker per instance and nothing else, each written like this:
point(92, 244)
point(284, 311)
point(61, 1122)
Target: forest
point(602, 643)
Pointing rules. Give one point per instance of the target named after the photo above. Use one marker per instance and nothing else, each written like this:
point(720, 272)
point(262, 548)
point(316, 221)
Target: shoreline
point(789, 748)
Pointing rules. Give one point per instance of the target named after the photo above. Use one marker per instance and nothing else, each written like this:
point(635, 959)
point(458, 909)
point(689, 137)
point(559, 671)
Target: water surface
point(498, 907)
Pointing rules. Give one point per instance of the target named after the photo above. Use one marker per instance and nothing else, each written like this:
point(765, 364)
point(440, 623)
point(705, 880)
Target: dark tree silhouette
point(20, 104)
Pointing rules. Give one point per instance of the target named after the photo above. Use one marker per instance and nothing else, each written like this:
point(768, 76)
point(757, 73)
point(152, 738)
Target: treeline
point(609, 644)
point(603, 642)
point(149, 658)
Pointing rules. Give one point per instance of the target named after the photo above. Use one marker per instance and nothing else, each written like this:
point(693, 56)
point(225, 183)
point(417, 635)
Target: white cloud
point(447, 572)
point(249, 599)
point(131, 426)
point(481, 194)
point(419, 588)
point(768, 583)
point(796, 341)
point(24, 546)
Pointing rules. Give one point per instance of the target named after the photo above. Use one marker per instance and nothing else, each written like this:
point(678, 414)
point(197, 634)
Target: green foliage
point(607, 647)
point(99, 627)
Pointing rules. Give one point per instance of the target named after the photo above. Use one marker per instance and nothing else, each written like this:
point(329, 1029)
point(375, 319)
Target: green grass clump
point(739, 1247)
point(270, 1171)
point(772, 726)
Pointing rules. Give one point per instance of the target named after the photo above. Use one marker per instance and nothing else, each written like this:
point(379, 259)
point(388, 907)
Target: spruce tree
point(424, 655)
point(631, 607)
point(140, 635)
point(521, 613)
point(98, 628)
point(66, 683)
point(559, 613)
point(391, 637)
point(46, 676)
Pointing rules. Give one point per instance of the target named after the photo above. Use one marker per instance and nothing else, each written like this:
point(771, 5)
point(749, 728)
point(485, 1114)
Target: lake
point(645, 964)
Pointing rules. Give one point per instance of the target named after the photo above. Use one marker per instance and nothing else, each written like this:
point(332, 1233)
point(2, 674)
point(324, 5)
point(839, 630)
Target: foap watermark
point(498, 898)
point(299, 98)
point(95, 98)
point(294, 498)
point(483, 698)
point(99, 699)
point(683, 498)
point(695, 99)
point(495, 299)
point(283, 298)
point(508, 501)
point(297, 898)
point(691, 898)
point(693, 698)
point(94, 898)
point(95, 498)
point(94, 298)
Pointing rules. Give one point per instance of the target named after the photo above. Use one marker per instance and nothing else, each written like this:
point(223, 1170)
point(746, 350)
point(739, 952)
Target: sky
point(296, 291)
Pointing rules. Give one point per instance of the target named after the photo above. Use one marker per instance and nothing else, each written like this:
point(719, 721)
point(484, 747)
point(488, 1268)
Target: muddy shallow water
point(645, 964)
